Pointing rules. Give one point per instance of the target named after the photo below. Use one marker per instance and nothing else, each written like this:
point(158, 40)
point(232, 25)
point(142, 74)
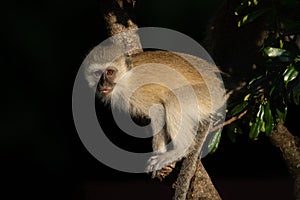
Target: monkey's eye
point(110, 72)
point(97, 74)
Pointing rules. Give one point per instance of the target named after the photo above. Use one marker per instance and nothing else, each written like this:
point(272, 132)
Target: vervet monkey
point(115, 77)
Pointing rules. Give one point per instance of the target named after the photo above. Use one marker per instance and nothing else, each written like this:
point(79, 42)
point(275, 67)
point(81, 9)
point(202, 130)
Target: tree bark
point(287, 143)
point(193, 182)
point(120, 24)
point(201, 186)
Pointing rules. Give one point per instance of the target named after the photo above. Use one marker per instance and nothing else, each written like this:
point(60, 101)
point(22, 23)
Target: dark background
point(41, 156)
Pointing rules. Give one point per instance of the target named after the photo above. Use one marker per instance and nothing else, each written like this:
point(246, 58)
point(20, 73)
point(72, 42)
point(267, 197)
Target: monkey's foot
point(165, 171)
point(159, 161)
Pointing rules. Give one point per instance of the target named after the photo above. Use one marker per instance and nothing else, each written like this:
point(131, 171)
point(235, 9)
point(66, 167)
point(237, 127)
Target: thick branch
point(287, 143)
point(193, 181)
point(201, 186)
point(120, 24)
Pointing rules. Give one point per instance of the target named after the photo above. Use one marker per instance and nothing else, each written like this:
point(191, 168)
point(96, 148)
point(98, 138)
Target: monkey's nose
point(102, 79)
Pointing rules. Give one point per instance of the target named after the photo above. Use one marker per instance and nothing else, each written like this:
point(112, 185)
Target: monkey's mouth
point(105, 91)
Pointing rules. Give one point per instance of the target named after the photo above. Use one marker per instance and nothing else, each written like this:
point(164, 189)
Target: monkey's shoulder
point(170, 60)
point(160, 57)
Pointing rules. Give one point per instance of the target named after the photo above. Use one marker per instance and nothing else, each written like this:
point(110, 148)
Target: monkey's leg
point(160, 139)
point(159, 143)
point(158, 128)
point(181, 129)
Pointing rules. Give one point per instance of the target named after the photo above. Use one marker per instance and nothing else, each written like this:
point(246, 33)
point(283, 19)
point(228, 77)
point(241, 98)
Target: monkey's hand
point(164, 172)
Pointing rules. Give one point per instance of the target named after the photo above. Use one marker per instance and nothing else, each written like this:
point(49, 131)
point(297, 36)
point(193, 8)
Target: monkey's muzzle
point(105, 86)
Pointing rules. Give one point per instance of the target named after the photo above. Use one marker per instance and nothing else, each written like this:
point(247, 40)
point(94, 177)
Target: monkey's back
point(165, 90)
point(169, 59)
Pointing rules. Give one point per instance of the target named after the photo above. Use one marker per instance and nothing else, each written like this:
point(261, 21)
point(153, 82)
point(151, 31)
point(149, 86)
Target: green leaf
point(281, 114)
point(255, 130)
point(269, 121)
point(297, 59)
point(290, 74)
point(255, 79)
point(255, 2)
point(251, 17)
point(281, 43)
point(239, 108)
point(246, 98)
point(257, 125)
point(263, 127)
point(273, 52)
point(214, 141)
point(240, 7)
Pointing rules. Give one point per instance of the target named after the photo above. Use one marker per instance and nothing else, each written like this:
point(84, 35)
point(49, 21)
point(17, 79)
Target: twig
point(229, 121)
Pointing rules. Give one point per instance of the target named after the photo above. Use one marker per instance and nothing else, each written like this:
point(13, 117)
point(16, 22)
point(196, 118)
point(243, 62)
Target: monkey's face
point(104, 66)
point(107, 81)
point(105, 76)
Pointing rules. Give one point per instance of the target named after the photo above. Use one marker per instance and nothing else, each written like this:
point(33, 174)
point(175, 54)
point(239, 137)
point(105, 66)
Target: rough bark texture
point(287, 143)
point(201, 186)
point(120, 24)
point(193, 182)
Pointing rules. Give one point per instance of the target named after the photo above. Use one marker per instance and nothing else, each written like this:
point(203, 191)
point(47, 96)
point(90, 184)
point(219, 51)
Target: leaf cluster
point(268, 94)
point(278, 84)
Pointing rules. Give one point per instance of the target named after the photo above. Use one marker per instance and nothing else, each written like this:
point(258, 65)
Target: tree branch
point(287, 143)
point(229, 121)
point(201, 185)
point(193, 181)
point(120, 24)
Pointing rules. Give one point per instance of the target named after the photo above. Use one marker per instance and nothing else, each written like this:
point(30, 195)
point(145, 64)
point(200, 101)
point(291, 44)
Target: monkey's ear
point(128, 61)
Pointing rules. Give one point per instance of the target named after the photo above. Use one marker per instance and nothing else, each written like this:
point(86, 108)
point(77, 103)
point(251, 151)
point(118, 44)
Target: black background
point(42, 46)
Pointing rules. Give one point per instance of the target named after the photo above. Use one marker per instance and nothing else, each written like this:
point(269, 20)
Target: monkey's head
point(104, 66)
point(109, 76)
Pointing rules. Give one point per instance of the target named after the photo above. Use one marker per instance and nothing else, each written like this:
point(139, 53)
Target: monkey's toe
point(164, 172)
